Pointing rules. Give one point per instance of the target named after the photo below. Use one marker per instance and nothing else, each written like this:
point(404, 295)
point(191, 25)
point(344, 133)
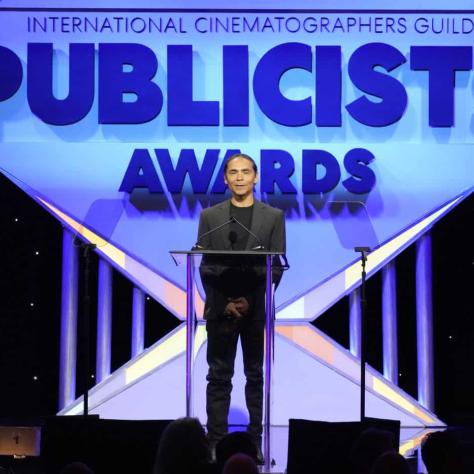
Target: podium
point(264, 261)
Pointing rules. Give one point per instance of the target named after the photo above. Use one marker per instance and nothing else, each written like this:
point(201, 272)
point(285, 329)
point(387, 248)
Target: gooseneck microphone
point(260, 246)
point(232, 235)
point(197, 246)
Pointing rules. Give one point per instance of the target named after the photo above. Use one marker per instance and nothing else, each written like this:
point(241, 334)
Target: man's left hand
point(241, 304)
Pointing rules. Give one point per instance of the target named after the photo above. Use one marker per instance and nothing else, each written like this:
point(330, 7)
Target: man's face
point(240, 177)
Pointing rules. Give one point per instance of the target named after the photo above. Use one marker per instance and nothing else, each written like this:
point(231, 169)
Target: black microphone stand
point(259, 245)
point(363, 251)
point(197, 246)
point(87, 248)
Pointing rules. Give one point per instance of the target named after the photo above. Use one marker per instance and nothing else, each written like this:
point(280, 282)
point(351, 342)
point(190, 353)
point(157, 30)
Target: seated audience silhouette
point(183, 449)
point(234, 443)
point(240, 464)
point(390, 463)
point(371, 444)
point(442, 454)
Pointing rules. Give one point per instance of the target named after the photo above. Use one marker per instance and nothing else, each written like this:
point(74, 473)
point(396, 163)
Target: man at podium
point(235, 293)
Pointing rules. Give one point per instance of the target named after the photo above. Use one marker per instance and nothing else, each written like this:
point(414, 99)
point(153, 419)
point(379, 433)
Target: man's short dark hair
point(240, 155)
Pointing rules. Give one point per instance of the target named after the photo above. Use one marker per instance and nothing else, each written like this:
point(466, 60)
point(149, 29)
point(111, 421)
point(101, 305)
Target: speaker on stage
point(320, 447)
point(118, 446)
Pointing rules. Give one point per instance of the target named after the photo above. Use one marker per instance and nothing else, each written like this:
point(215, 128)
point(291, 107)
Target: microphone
point(232, 235)
point(260, 246)
point(196, 246)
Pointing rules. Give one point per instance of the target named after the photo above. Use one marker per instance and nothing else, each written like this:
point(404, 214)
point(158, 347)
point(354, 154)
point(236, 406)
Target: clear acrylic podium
point(265, 263)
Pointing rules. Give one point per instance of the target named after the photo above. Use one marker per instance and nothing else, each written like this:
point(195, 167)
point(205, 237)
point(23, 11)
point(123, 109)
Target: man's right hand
point(231, 310)
point(241, 304)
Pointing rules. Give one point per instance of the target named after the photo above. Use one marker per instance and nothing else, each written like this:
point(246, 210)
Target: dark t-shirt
point(238, 236)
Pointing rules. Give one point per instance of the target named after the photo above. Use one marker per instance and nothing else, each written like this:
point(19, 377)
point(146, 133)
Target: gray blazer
point(222, 280)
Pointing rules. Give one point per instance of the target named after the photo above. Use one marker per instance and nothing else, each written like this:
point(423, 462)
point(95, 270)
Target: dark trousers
point(223, 335)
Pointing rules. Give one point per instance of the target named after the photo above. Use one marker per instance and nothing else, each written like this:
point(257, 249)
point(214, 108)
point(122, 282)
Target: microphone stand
point(257, 247)
point(196, 246)
point(86, 248)
point(363, 251)
point(232, 220)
